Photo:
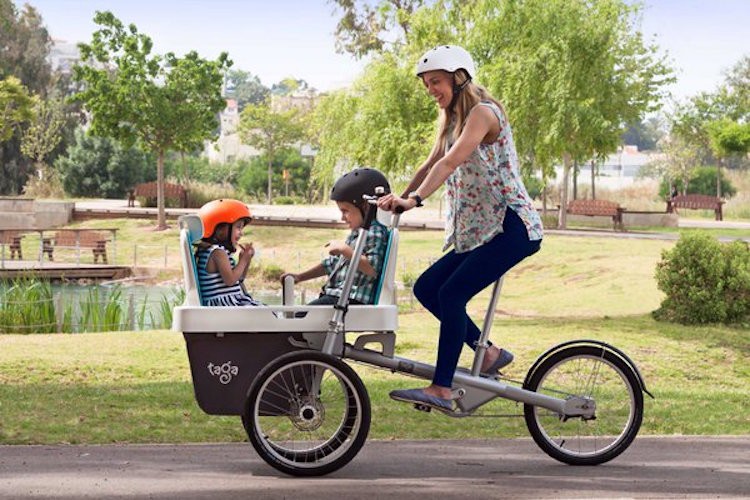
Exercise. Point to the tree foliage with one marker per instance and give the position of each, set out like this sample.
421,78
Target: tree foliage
645,134
676,165
245,88
101,167
364,28
44,132
24,47
160,102
728,137
570,73
16,106
271,131
253,179
288,86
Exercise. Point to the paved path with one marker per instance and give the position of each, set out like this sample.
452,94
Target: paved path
653,467
422,218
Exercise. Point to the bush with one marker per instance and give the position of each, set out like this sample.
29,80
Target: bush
702,181
49,186
200,193
704,281
534,186
101,167
286,200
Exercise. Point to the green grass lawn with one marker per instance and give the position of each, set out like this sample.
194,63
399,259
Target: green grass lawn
136,387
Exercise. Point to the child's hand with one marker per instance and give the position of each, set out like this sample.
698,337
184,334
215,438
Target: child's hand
247,251
336,247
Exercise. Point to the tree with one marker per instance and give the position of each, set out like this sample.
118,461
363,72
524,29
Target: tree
591,70
160,102
644,134
289,86
16,106
735,91
270,131
677,164
253,178
727,137
44,132
245,88
24,47
102,167
570,75
364,28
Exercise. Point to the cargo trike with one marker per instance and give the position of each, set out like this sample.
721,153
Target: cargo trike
284,370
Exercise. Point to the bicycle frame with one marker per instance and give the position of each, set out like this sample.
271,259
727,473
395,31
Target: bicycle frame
472,389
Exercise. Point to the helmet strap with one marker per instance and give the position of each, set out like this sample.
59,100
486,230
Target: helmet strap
226,243
457,89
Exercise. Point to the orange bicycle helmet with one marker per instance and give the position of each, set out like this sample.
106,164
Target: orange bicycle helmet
217,212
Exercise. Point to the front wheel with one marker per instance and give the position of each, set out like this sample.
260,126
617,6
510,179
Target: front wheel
593,373
307,414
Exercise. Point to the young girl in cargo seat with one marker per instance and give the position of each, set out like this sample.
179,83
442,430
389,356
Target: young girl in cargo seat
220,278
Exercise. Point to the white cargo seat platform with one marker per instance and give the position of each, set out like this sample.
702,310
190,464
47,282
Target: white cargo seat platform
192,317
199,319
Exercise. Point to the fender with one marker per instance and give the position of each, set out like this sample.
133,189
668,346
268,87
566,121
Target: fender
586,342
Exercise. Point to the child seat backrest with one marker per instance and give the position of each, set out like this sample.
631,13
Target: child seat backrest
191,231
386,292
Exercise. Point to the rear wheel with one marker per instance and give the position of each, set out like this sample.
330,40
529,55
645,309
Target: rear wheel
592,373
307,414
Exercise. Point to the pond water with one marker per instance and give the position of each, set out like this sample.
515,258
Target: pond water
91,308
151,294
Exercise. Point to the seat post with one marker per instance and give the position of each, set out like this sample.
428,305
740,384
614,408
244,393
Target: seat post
483,342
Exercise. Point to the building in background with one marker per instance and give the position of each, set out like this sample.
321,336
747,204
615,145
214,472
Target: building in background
229,147
618,170
63,55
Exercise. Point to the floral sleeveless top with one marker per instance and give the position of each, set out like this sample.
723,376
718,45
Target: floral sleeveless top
482,188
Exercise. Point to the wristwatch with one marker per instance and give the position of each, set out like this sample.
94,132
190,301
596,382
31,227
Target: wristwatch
416,198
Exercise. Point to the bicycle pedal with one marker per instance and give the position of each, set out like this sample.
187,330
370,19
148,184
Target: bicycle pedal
422,407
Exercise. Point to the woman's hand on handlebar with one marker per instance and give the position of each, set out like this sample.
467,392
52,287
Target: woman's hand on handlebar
393,203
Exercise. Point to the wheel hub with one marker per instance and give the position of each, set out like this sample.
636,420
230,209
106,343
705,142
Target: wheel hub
579,406
307,415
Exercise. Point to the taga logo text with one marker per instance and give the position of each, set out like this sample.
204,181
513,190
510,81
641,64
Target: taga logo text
225,372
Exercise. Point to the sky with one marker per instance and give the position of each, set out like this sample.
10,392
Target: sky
275,39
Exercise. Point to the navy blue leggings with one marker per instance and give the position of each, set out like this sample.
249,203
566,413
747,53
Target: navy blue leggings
447,286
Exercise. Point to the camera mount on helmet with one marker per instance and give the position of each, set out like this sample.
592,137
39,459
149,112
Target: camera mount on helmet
355,186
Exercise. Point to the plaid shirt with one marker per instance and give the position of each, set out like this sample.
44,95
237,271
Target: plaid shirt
364,286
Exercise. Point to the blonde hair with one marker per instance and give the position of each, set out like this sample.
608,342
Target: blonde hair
453,118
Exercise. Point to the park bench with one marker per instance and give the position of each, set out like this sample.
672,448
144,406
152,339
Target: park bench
149,190
77,239
594,208
695,202
12,239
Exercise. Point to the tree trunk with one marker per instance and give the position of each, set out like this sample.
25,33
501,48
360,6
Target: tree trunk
270,174
161,222
563,219
593,183
718,178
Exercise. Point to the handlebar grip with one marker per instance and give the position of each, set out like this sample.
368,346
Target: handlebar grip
398,210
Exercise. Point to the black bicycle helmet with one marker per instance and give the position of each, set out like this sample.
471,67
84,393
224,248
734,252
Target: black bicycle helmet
361,181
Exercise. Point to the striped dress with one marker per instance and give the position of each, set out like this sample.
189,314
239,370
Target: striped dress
213,290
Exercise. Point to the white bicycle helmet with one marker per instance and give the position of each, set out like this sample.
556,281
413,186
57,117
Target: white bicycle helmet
448,58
